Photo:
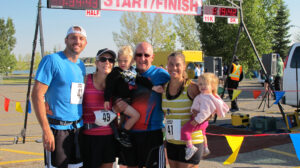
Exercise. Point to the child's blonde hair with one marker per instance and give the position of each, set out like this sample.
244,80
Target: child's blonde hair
211,79
126,51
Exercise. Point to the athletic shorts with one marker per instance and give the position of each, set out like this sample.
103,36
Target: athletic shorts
177,153
67,149
147,150
98,149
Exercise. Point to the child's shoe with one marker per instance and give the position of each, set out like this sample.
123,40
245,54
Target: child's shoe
190,151
206,151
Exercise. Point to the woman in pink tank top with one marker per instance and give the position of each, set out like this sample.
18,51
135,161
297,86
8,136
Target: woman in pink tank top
99,147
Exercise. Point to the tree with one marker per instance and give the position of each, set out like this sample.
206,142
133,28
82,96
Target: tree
218,39
281,32
7,44
141,27
186,30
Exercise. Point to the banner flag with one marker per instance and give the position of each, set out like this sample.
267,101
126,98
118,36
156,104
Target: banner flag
236,93
18,107
296,139
6,104
235,143
220,90
29,107
278,95
256,93
184,7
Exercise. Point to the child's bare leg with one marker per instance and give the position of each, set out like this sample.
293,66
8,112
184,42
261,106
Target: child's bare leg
205,141
189,143
133,117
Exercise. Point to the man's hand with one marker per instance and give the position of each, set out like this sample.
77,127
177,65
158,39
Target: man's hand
120,106
48,140
158,89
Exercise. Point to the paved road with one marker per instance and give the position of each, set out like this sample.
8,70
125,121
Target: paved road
30,154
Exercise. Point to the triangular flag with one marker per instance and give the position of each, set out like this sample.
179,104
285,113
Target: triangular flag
6,104
220,90
296,139
29,107
18,107
278,95
256,93
236,93
235,143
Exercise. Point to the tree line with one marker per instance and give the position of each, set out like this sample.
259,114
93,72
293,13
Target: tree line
267,22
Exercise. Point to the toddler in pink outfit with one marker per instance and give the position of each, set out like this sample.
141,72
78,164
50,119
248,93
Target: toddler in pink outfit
204,106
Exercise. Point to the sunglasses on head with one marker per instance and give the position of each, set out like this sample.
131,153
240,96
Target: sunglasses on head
140,55
104,59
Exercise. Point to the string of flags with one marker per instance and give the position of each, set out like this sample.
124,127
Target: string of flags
235,142
18,106
256,93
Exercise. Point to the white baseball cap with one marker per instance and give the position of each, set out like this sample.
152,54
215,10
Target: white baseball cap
73,29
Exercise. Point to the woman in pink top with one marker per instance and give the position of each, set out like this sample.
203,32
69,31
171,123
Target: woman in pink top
204,106
99,147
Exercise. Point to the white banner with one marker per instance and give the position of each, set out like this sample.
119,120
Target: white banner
186,7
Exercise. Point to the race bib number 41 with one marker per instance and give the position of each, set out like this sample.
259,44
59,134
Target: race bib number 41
104,117
77,90
173,129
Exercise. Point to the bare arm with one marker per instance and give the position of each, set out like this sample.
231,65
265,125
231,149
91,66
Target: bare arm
193,90
37,96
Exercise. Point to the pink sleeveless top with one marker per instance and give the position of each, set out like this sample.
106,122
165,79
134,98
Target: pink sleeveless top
93,100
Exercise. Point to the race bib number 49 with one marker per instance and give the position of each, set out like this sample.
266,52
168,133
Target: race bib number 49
104,117
173,129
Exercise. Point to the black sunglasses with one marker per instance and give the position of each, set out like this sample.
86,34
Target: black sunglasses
140,55
104,59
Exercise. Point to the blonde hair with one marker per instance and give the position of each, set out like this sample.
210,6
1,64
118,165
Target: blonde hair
182,57
126,50
210,79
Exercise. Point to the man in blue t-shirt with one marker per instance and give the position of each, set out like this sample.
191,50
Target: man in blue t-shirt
59,86
146,135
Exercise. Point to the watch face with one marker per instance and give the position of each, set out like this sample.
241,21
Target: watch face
74,4
220,11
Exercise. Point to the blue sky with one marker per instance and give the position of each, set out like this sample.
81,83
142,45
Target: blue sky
57,21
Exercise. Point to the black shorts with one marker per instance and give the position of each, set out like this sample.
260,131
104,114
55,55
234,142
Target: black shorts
147,150
177,153
98,149
67,149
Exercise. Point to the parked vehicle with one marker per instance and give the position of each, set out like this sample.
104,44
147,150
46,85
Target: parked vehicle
290,79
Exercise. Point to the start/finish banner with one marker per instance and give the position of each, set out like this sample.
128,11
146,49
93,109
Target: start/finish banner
186,7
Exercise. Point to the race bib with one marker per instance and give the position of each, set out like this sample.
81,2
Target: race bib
77,90
104,117
173,129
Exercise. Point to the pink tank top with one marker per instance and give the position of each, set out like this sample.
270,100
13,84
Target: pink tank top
93,100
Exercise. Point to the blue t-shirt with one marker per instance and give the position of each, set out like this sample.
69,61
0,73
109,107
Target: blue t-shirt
148,102
59,73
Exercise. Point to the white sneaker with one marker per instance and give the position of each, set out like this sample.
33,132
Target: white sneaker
189,152
206,151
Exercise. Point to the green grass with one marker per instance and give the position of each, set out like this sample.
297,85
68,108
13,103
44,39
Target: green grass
16,79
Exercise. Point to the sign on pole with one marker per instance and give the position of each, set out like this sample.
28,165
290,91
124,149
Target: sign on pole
74,4
186,7
209,18
233,20
92,13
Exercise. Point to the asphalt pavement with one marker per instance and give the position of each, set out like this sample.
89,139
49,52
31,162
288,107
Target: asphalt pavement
30,154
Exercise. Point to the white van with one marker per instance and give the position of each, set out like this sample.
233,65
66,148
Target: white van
289,76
